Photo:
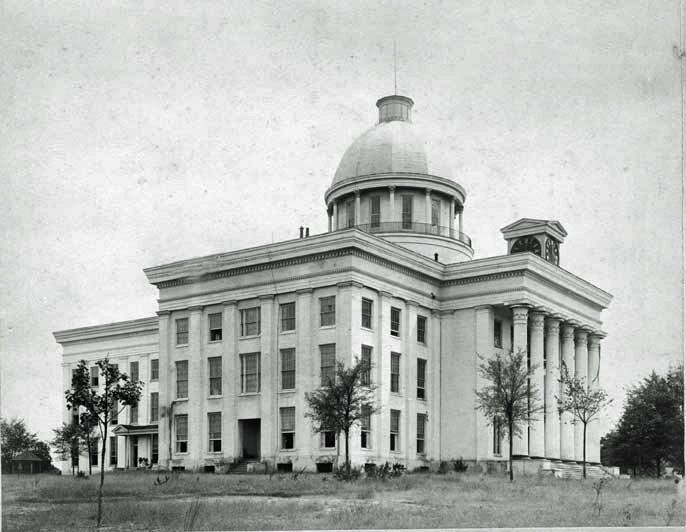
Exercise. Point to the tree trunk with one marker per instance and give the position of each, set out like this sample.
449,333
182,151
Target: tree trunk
347,451
102,474
509,443
657,467
90,450
584,446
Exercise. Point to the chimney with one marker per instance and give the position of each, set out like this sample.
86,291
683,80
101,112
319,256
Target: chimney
436,257
307,232
301,231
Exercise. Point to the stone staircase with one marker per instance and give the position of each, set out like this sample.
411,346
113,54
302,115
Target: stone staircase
575,471
247,465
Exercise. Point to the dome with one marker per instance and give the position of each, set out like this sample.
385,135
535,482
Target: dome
394,145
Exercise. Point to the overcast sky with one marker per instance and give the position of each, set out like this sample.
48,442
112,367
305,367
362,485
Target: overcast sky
136,135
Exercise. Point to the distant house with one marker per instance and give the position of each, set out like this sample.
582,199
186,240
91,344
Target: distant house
27,462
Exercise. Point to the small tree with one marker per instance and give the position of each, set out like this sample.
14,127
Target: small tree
341,402
118,390
15,439
583,403
509,397
69,443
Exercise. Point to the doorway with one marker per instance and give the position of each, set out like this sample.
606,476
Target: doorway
134,451
250,437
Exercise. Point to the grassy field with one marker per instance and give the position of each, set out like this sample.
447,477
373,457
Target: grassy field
189,501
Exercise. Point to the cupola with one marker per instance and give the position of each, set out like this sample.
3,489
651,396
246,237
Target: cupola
540,237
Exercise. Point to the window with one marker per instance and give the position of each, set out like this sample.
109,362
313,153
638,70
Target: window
114,451
350,213
133,414
366,375
375,211
133,371
287,312
365,428
421,378
155,452
395,372
250,373
407,212
421,427
328,363
182,331
214,423
182,379
250,321
497,435
215,326
114,414
497,333
395,321
327,311
288,369
181,424
435,213
421,329
367,306
94,452
154,407
328,439
395,430
287,427
154,369
215,365
95,371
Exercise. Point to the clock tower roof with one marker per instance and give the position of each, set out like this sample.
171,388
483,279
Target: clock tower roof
532,226
540,237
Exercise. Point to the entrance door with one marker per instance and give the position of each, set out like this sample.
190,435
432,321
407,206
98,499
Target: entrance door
134,451
250,437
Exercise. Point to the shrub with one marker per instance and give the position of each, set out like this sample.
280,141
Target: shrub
340,473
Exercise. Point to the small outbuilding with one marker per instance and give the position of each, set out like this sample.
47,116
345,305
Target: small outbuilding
27,462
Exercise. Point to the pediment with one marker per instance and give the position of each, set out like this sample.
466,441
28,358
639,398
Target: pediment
533,226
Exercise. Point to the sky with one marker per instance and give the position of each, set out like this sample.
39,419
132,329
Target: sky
137,134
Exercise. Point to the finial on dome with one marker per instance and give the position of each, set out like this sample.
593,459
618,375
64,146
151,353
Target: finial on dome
395,107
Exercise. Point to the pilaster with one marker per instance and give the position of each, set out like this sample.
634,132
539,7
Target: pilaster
165,398
483,335
593,434
566,425
552,388
520,444
537,380
197,436
230,383
580,372
305,355
269,443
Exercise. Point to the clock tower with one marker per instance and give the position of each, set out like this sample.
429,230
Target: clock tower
540,237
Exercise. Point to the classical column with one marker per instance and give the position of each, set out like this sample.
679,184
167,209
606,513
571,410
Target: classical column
268,378
451,217
483,434
335,216
231,376
357,207
427,206
329,210
460,210
391,204
552,388
593,434
166,366
520,444
566,426
197,387
304,375
580,372
537,380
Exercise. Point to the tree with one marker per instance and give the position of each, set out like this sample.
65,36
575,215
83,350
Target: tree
650,432
582,402
73,439
342,402
509,398
16,439
118,391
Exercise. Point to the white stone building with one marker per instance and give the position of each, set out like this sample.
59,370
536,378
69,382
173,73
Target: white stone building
240,337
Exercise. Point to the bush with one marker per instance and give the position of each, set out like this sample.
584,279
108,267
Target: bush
452,465
340,473
385,471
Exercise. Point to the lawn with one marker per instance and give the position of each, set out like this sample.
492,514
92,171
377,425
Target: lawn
190,501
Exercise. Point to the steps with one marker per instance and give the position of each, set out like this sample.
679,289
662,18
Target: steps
575,471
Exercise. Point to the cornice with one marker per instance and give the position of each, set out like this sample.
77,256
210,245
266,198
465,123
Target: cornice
140,326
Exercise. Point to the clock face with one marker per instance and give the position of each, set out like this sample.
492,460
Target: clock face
527,243
552,251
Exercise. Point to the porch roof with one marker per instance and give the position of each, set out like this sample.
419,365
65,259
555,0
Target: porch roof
135,430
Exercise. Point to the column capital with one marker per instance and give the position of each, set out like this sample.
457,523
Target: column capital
520,314
230,302
347,284
552,326
163,313
357,192
580,335
412,303
594,341
304,291
266,297
391,188
383,293
428,191
537,319
567,331
196,308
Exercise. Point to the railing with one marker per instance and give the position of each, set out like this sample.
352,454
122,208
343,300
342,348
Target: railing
414,227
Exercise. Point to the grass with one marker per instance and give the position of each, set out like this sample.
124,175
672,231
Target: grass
189,501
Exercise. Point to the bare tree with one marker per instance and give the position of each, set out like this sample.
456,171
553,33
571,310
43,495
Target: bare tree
583,403
509,397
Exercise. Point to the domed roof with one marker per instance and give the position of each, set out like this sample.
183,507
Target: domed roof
394,145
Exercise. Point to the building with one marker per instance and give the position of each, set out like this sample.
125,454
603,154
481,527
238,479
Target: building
241,336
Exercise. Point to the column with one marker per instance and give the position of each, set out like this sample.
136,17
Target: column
357,207
483,427
329,209
520,444
434,395
427,206
593,430
459,214
165,397
230,375
382,370
566,426
197,389
451,217
552,387
269,443
305,357
580,372
537,381
335,216
391,204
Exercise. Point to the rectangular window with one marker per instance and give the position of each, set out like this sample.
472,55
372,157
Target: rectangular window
421,428
288,369
250,321
327,311
435,213
182,379
95,371
182,331
328,439
497,435
498,333
365,428
367,306
328,363
114,414
250,372
181,424
94,451
154,369
395,372
214,423
375,211
366,375
421,329
287,312
407,212
155,452
114,451
421,378
395,430
287,427
215,321
154,407
215,366
350,213
395,321
133,371
133,414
